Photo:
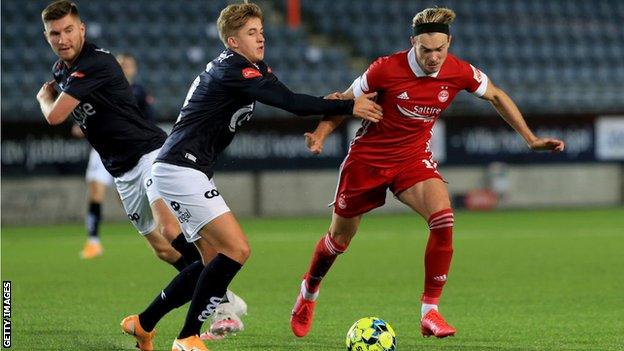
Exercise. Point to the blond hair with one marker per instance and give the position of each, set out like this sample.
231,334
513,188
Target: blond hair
434,15
233,17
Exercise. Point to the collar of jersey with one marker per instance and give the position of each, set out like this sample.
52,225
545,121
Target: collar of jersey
411,59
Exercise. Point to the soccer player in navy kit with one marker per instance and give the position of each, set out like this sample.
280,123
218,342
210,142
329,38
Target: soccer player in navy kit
219,102
97,177
96,93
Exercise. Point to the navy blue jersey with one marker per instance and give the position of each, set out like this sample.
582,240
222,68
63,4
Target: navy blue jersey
222,99
108,113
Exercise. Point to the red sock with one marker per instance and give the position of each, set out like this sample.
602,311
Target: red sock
438,255
325,254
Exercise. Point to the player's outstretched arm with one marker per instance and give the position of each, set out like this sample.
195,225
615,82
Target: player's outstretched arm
316,139
511,114
56,108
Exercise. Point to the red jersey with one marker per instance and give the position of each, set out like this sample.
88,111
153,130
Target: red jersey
412,101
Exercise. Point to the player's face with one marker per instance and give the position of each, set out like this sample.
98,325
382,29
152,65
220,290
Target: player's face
249,40
66,37
431,50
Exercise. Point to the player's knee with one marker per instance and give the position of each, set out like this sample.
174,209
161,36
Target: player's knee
167,254
341,237
170,230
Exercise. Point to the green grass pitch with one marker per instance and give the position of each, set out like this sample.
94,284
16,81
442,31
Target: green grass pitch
520,280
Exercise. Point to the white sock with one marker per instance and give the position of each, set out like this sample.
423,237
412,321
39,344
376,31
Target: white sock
306,294
94,240
425,307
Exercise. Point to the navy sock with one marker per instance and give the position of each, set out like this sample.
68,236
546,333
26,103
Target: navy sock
177,293
211,286
92,222
188,250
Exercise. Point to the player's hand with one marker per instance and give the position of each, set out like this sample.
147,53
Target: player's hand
76,132
47,91
334,96
548,144
365,108
314,143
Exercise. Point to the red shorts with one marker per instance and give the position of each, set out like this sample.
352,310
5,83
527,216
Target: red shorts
362,187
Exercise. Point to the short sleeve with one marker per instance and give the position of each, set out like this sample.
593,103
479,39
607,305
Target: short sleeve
88,76
476,82
371,80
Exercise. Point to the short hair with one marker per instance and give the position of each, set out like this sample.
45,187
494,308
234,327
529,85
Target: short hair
58,10
434,15
234,17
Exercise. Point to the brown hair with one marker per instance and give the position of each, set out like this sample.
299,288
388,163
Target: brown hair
58,10
234,16
434,15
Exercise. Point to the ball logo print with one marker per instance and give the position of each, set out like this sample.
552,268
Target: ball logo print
211,193
371,334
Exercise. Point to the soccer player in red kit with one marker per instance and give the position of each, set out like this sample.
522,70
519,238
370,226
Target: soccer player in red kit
414,87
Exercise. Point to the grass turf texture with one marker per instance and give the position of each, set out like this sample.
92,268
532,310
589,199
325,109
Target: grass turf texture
526,280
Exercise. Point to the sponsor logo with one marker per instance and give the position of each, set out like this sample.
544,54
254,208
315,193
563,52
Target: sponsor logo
249,73
149,182
241,116
175,205
424,113
134,217
184,216
78,74
210,308
403,96
81,112
211,193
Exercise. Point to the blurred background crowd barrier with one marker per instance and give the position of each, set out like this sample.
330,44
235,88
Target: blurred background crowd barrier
562,61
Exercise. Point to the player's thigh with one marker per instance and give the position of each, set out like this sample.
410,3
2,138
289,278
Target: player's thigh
426,197
170,228
226,236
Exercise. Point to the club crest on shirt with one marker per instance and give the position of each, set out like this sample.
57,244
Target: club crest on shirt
443,95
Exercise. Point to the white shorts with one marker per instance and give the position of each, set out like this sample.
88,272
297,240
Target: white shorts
137,192
96,171
191,195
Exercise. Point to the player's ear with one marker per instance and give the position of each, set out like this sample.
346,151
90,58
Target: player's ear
413,40
450,37
232,42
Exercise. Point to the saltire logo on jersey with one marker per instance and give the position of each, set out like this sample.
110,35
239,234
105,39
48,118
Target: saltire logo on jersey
249,73
424,113
77,74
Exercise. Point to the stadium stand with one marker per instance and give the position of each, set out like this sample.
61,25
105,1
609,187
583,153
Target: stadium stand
545,53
